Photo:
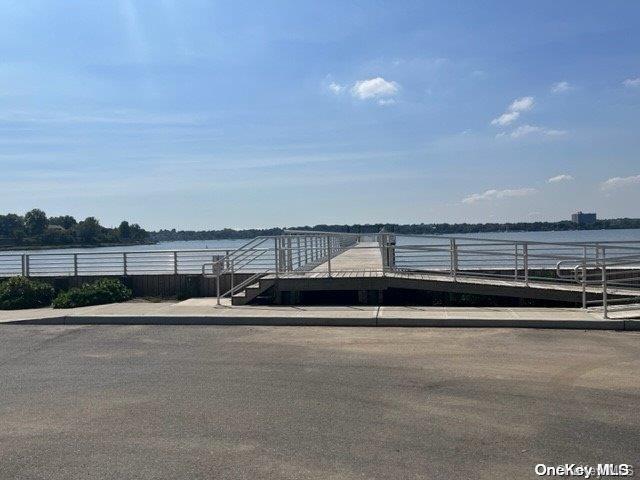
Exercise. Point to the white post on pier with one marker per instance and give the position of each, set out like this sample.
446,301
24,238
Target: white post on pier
605,306
276,255
525,261
329,254
584,277
454,258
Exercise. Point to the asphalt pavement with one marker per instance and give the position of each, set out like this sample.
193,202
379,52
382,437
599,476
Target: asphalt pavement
243,402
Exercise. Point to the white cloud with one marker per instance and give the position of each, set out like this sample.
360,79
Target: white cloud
518,106
560,178
521,104
505,118
619,182
374,88
336,88
525,130
632,82
561,87
386,101
493,193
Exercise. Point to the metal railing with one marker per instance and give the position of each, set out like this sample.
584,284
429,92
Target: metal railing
607,273
146,262
293,252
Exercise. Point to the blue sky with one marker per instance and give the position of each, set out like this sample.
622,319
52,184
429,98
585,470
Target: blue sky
203,114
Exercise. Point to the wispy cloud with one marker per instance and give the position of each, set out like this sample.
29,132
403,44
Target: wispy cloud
632,82
374,88
514,110
521,104
526,130
620,182
336,88
560,178
494,193
561,87
506,118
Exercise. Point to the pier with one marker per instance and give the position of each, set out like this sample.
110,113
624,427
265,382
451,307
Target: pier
302,266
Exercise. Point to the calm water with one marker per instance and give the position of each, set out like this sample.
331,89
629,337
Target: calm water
559,236
570,236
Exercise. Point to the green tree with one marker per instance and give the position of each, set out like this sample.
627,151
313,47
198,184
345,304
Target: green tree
9,224
124,230
65,221
35,222
88,230
138,233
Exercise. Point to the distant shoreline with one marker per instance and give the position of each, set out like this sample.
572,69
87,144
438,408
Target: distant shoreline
406,229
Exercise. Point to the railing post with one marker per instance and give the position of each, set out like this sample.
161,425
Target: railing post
218,287
525,261
289,255
454,257
232,275
27,266
605,306
276,256
299,263
24,265
175,262
515,271
75,264
584,277
306,252
124,263
329,254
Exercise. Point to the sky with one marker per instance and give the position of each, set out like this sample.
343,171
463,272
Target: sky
195,114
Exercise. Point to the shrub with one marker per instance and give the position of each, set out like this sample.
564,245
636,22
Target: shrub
22,292
105,290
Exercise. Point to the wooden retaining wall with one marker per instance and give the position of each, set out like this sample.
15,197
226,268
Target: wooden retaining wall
161,286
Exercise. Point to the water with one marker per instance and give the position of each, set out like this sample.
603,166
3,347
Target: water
178,245
554,236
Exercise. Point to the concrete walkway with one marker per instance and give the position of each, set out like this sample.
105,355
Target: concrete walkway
204,311
363,257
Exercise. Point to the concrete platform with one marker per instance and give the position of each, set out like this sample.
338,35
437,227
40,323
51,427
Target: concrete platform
204,311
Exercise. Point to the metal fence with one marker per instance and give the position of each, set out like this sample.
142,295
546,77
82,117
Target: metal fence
611,268
147,262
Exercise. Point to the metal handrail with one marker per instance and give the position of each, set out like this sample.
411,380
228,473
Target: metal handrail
604,265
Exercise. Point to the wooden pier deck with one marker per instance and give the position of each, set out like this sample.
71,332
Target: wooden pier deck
362,259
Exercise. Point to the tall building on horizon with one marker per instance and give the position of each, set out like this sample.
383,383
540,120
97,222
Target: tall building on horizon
583,218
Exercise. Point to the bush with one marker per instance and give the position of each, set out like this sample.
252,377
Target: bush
22,292
105,290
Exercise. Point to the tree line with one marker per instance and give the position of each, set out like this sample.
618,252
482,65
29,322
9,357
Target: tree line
415,229
36,229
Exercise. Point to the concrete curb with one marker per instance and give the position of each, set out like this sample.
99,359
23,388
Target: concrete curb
631,325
